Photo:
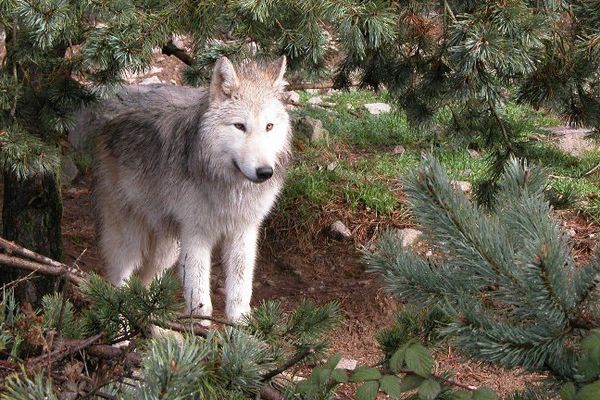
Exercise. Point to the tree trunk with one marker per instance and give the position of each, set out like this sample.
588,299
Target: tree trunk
32,213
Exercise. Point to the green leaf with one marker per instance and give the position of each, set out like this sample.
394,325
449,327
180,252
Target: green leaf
339,375
365,374
462,395
410,382
568,391
391,385
589,392
323,376
419,360
484,394
368,391
333,361
305,386
397,360
429,389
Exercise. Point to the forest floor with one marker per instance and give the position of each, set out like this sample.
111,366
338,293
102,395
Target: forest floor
299,260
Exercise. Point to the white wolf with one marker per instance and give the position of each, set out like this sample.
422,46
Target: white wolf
172,182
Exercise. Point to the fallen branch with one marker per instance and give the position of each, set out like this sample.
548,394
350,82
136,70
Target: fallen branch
170,49
195,328
21,263
301,355
70,347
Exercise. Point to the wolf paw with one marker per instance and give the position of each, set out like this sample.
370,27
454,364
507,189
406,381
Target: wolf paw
237,314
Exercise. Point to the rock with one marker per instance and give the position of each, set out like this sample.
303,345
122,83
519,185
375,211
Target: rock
474,154
378,108
464,186
178,41
331,166
151,81
347,363
310,129
292,97
314,101
68,171
221,291
340,231
90,119
399,150
572,232
409,236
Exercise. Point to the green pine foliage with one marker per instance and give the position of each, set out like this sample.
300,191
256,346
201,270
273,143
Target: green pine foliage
229,363
468,58
506,274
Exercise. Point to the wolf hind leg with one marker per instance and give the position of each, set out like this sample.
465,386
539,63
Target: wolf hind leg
161,254
122,239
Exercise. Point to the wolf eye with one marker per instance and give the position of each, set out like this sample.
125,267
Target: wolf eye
241,127
269,127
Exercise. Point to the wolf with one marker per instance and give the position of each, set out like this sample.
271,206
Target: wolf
173,182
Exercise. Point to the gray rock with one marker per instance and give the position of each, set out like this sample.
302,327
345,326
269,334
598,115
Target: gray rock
464,186
409,236
378,108
310,129
314,101
340,231
68,171
332,165
151,80
347,363
474,154
292,97
89,120
399,150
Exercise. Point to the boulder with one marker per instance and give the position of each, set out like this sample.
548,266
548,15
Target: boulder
409,236
378,108
339,230
151,80
464,186
310,129
314,101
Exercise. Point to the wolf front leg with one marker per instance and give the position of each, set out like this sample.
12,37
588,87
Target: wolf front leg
194,270
239,258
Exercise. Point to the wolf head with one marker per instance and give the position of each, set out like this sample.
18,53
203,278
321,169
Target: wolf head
247,120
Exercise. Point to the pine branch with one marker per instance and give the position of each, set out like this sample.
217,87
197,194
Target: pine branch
21,263
69,347
301,355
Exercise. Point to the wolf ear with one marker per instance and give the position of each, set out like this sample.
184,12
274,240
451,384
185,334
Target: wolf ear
277,69
224,80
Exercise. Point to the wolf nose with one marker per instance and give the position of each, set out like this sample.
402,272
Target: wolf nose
264,173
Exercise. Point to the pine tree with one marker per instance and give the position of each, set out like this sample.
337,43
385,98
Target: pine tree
468,58
63,54
505,275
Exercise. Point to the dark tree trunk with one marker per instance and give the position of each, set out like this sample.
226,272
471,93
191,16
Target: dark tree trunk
32,213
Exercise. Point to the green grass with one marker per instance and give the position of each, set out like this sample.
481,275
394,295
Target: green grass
366,177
